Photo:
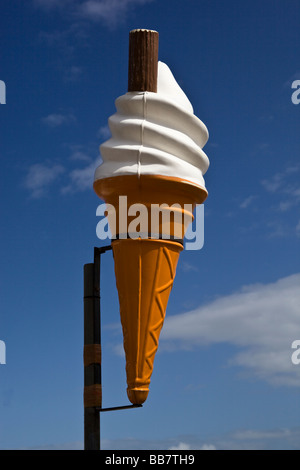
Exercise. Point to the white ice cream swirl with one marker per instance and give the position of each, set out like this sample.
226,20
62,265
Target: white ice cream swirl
155,134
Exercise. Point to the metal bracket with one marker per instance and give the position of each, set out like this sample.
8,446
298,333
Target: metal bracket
98,251
115,408
102,249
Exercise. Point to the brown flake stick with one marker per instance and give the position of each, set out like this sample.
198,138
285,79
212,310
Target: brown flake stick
143,60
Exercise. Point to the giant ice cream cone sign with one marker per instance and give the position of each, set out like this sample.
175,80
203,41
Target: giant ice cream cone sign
154,160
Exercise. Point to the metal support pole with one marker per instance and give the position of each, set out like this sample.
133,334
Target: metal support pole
92,352
92,366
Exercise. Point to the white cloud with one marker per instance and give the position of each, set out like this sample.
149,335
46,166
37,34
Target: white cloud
109,11
278,229
245,439
274,183
67,40
262,320
298,229
56,120
180,446
73,73
261,439
173,443
76,445
246,202
188,267
284,191
282,181
289,81
285,206
266,118
82,178
80,155
40,176
185,446
104,132
251,434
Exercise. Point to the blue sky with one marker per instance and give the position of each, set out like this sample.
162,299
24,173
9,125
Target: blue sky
223,376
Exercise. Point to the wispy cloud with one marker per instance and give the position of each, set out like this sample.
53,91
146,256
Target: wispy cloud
172,443
109,12
80,156
243,439
208,447
68,41
261,149
266,118
284,190
261,439
274,215
76,445
277,229
262,320
289,81
281,180
81,179
73,73
185,446
285,205
251,434
188,267
57,120
103,132
273,183
40,177
298,229
246,202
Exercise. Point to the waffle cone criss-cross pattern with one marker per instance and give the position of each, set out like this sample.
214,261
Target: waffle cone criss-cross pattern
154,156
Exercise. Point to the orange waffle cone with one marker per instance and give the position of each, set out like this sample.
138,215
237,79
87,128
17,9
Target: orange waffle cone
145,271
150,191
145,267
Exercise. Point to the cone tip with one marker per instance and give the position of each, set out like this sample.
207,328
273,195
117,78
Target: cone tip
137,396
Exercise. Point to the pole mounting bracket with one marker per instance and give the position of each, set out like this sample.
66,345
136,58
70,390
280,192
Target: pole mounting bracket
115,408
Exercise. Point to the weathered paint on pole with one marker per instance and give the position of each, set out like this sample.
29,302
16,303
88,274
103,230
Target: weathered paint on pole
92,355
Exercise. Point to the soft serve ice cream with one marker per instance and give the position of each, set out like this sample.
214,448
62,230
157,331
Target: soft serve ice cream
155,134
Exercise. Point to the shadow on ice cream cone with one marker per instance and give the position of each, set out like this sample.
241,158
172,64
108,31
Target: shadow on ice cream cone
145,266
